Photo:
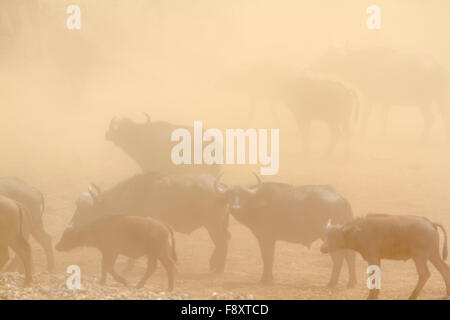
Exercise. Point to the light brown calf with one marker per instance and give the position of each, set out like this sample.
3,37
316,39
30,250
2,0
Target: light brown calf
11,219
131,236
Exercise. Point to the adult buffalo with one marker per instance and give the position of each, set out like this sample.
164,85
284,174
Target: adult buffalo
186,202
308,98
33,202
298,214
387,77
150,145
312,99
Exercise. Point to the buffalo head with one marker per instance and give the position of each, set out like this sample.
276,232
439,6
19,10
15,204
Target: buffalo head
120,129
336,236
89,206
71,238
240,198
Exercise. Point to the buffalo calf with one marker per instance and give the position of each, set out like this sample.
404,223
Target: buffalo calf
11,220
131,236
382,236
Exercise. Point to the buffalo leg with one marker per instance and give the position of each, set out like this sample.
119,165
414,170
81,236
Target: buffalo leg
169,265
335,135
23,250
338,259
16,263
303,130
366,114
347,137
267,247
350,257
220,236
443,269
151,267
4,256
45,241
424,275
108,262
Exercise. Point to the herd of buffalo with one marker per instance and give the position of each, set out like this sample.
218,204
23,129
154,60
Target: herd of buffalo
138,216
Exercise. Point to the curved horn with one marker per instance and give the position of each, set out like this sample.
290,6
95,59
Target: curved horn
258,178
254,189
147,117
217,184
92,193
97,189
113,123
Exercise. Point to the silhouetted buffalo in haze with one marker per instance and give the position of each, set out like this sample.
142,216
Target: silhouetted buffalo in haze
387,77
322,100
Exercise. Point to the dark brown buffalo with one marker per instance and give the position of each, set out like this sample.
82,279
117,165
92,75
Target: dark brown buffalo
33,202
130,236
382,236
11,219
283,212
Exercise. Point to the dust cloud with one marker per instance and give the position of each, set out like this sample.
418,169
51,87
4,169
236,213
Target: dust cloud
184,60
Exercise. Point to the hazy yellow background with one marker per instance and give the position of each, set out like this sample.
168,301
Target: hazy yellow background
59,88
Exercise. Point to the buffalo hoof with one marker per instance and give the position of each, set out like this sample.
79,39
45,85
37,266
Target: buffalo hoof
139,285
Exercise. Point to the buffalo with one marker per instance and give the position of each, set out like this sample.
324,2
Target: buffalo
309,98
387,77
131,236
383,236
186,202
283,212
11,235
33,202
150,145
312,99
